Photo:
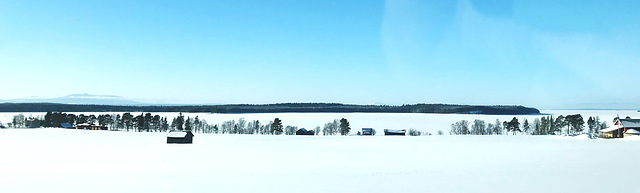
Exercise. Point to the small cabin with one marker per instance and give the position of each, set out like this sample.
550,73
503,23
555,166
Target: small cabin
303,131
91,127
400,132
182,137
367,131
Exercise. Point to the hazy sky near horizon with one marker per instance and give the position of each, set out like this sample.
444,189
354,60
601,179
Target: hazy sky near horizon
541,53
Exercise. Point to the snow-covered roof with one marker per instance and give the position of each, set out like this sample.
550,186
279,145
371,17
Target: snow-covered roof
84,124
632,131
610,129
177,134
630,123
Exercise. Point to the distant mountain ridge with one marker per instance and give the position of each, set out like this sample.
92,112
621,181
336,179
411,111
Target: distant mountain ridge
83,99
276,108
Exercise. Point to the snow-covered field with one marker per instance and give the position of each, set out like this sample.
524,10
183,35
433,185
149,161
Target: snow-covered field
60,160
423,122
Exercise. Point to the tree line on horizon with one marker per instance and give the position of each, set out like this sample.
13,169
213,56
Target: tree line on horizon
147,122
275,108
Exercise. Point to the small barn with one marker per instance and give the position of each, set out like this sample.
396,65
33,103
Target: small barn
367,131
67,125
182,137
399,132
304,131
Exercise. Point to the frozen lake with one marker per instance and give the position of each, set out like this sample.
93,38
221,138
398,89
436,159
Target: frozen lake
423,122
61,160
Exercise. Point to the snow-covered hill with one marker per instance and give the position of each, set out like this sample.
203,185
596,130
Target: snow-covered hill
59,160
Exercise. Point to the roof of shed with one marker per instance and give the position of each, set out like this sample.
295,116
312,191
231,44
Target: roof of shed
177,134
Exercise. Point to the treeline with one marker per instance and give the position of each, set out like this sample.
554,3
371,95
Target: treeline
274,108
547,125
147,122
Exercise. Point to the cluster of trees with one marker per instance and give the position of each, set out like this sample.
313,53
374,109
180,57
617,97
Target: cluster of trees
413,132
147,122
334,127
547,125
479,127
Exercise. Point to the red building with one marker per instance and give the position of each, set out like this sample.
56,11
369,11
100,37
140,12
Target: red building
622,128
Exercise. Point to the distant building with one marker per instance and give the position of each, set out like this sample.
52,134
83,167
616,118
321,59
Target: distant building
622,128
67,125
182,137
303,131
401,132
91,127
367,131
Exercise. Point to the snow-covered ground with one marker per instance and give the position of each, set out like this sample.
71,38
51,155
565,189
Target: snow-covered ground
423,122
61,160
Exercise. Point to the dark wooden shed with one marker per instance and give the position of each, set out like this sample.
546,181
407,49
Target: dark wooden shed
367,131
400,132
303,131
183,137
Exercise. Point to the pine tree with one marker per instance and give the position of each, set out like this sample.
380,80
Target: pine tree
179,122
276,126
187,124
526,127
344,127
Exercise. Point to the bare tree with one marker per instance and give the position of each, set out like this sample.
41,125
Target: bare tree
478,127
290,130
330,128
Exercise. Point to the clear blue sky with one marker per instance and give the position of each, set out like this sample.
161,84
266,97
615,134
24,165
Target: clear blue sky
541,53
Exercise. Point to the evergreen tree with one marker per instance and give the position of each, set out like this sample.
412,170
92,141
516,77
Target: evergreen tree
591,123
71,119
139,122
559,124
48,119
156,123
187,124
276,126
344,127
526,127
179,122
119,124
575,123
147,122
513,125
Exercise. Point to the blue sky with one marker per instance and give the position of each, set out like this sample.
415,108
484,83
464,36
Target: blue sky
541,53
